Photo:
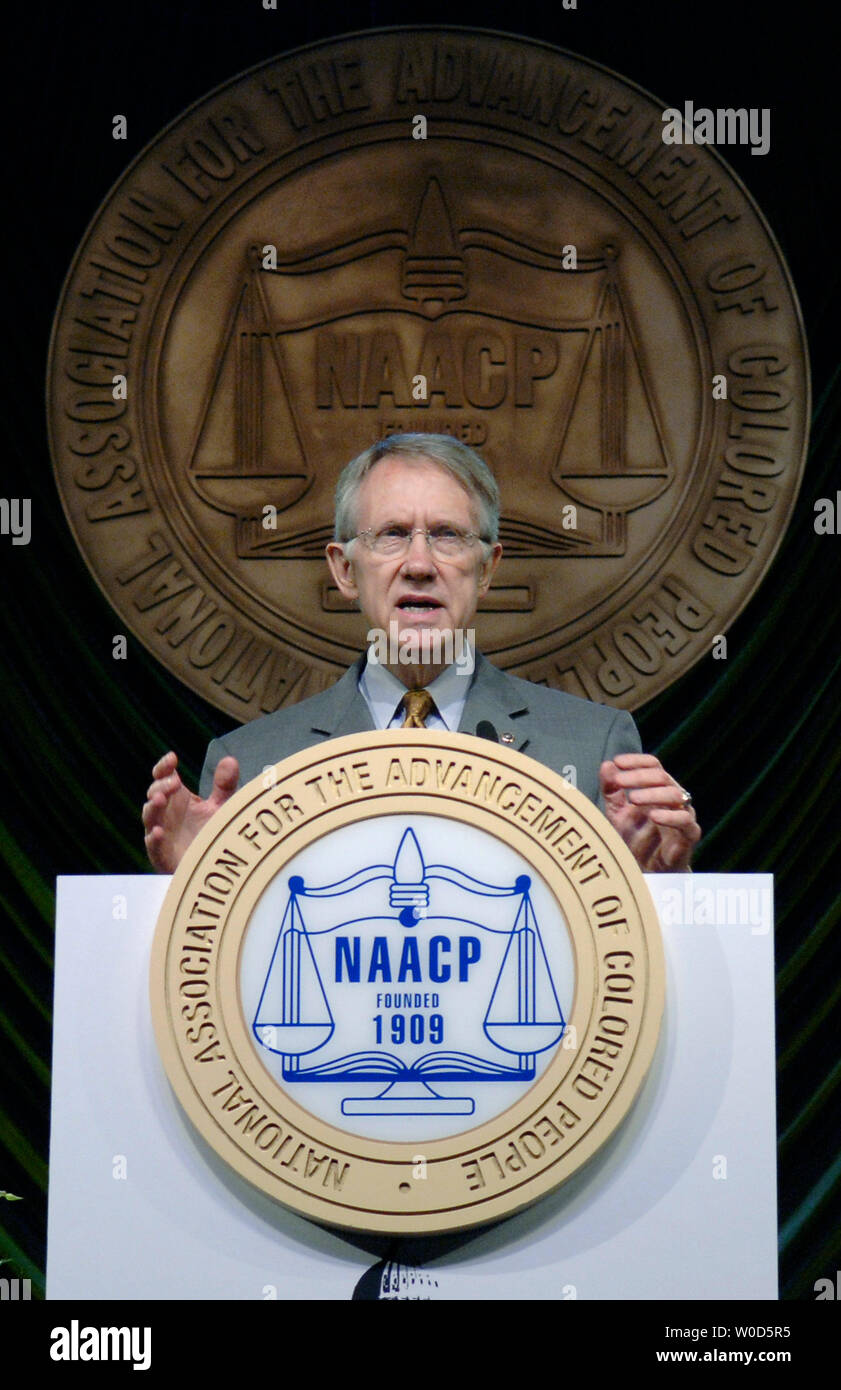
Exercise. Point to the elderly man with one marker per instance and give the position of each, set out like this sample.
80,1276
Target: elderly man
416,547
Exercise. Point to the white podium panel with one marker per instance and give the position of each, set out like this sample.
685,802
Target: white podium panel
680,1204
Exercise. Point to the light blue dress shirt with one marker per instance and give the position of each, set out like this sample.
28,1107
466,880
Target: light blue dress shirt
383,692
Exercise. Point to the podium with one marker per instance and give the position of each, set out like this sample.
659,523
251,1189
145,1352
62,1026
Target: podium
679,1204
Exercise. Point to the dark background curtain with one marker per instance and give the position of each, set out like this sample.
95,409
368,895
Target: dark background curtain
756,737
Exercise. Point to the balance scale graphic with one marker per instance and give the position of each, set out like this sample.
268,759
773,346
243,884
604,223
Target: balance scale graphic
407,933
606,440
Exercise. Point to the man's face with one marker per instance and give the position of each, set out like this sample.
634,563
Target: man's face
417,590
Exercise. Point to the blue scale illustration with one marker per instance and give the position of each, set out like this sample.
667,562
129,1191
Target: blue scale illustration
435,975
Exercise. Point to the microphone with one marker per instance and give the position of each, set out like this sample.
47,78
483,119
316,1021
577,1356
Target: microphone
485,729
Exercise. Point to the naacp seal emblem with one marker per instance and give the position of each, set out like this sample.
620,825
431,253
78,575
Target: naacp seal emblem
445,231
407,983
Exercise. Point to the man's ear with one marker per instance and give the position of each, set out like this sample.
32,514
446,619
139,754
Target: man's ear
488,569
341,569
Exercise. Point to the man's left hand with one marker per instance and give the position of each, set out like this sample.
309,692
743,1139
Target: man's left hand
650,812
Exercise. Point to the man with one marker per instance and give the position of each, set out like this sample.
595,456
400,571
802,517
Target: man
416,547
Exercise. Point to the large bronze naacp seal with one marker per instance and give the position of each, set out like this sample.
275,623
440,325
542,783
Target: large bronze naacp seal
440,230
407,982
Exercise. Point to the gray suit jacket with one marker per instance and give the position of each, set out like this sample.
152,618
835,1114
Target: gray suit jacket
554,728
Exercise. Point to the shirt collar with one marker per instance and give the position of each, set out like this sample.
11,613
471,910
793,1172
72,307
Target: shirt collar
383,691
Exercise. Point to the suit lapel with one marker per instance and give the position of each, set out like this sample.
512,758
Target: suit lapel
496,698
493,697
342,708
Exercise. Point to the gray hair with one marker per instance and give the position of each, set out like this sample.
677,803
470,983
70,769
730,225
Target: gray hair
459,459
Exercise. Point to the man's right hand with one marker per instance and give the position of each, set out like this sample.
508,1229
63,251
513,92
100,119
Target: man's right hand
173,816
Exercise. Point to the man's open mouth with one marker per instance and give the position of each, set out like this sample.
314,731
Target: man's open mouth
418,605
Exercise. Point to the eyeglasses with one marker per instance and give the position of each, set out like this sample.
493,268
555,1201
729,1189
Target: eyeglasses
447,542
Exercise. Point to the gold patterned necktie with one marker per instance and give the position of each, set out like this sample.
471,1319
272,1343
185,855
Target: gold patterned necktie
417,704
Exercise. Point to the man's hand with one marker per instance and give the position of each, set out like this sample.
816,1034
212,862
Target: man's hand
173,816
648,808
